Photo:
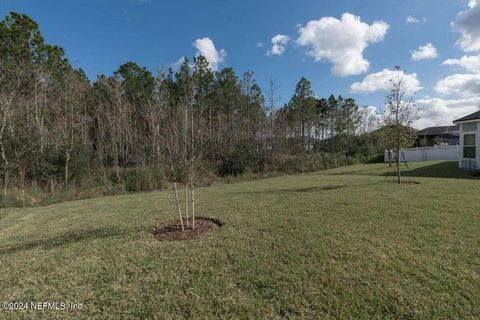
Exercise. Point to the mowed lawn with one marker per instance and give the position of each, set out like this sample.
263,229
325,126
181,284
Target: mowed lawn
335,244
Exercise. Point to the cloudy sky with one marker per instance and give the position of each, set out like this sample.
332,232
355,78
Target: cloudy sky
342,47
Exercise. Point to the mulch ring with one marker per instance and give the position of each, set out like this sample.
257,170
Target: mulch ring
173,231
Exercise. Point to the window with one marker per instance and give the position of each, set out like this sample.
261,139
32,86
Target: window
469,146
469,126
469,140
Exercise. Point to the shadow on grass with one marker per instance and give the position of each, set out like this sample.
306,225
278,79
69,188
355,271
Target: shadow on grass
296,190
63,239
363,172
447,169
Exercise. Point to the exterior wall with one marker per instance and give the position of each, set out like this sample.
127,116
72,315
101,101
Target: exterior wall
464,163
429,153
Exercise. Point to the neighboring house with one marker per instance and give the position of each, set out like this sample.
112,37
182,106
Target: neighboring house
433,143
438,136
460,143
469,141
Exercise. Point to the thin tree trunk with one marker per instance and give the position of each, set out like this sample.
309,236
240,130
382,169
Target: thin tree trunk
398,167
186,202
210,122
178,205
117,169
186,162
192,169
192,189
67,160
23,186
399,179
5,186
303,134
5,163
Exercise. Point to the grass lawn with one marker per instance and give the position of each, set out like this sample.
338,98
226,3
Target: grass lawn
335,244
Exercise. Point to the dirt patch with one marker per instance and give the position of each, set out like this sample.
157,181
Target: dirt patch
172,231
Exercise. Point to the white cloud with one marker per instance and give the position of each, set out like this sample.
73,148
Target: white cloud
279,43
206,48
341,42
415,20
437,111
463,85
412,19
468,24
469,63
381,81
427,51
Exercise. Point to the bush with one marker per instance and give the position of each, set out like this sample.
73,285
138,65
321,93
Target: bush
232,166
143,179
306,163
81,162
379,158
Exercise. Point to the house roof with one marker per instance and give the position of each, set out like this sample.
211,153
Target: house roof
436,131
470,117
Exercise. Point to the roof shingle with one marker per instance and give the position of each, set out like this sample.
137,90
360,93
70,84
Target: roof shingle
472,116
436,131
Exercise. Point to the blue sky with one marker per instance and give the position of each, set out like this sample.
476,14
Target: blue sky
100,35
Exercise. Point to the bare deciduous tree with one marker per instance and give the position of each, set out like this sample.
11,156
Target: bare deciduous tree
400,114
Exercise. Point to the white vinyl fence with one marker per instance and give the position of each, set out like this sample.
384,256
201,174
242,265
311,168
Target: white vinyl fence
428,153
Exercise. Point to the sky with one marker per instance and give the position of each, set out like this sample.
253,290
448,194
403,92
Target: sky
344,47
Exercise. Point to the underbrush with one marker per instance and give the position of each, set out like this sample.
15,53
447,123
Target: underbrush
307,163
142,179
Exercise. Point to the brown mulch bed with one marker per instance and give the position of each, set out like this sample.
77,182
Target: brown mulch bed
173,231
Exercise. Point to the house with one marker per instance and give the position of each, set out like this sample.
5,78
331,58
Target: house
469,129
453,143
437,136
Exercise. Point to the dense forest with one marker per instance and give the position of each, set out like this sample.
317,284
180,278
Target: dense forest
140,130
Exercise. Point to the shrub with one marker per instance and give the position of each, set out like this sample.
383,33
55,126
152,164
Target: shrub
379,158
305,163
231,166
143,179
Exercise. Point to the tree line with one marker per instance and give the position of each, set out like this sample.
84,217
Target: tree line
58,128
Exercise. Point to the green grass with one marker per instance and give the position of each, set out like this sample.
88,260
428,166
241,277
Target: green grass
336,244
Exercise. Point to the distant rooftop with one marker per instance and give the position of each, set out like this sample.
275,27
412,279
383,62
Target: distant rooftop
435,131
472,116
